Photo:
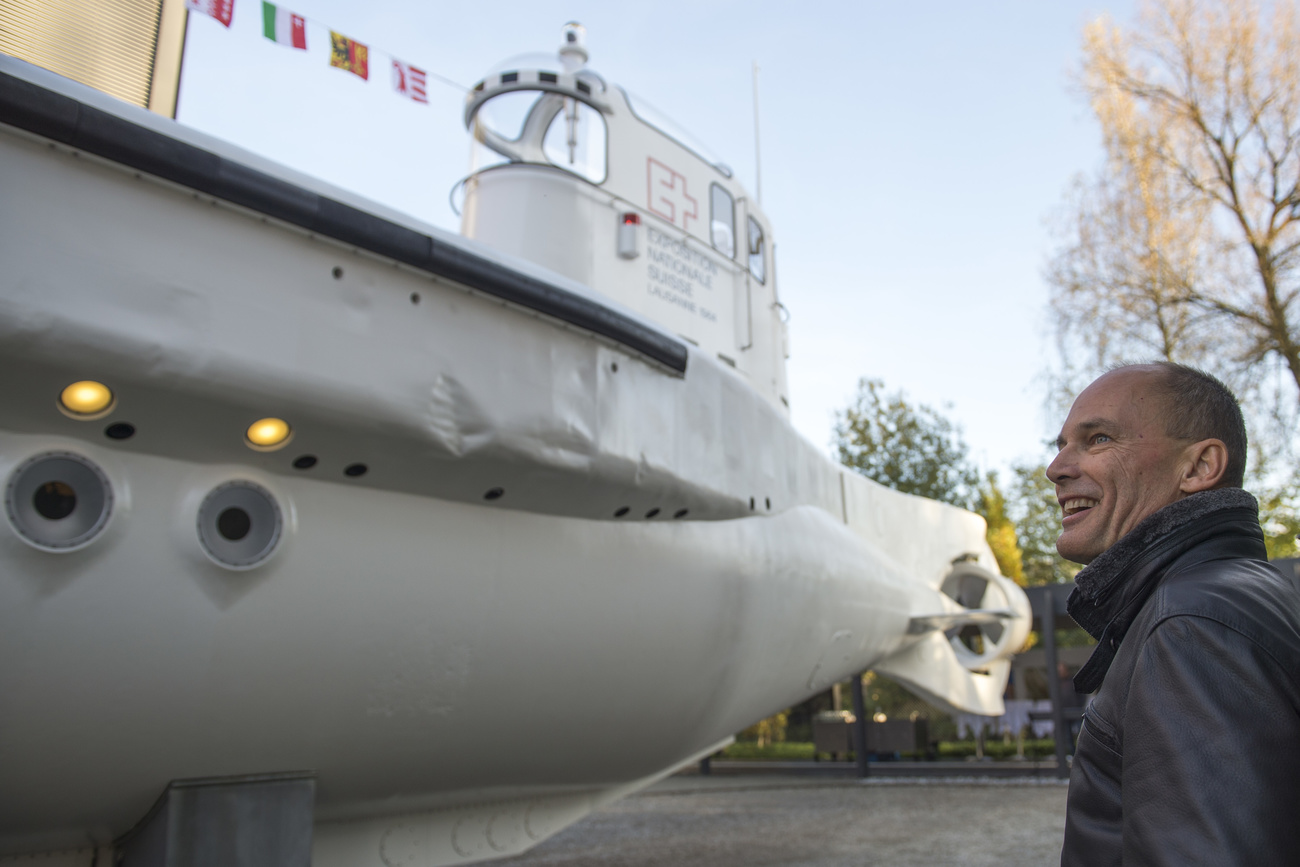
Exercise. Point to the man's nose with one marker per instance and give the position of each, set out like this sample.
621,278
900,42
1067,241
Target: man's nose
1061,468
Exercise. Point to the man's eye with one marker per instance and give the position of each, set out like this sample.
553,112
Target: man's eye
1101,438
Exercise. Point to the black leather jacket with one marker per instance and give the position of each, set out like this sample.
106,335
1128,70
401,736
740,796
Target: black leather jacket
1190,751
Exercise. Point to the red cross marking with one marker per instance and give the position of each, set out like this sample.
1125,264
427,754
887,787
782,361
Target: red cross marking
666,191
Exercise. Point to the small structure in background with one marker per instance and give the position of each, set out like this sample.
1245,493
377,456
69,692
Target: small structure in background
885,739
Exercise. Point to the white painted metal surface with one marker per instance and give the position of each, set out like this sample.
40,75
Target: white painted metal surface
464,675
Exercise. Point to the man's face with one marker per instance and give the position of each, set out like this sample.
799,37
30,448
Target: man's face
1115,464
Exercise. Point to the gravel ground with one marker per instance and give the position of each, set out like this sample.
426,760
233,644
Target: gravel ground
685,821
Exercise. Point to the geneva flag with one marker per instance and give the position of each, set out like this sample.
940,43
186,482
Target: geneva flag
349,54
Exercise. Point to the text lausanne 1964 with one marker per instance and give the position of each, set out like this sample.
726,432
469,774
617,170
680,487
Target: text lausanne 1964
677,274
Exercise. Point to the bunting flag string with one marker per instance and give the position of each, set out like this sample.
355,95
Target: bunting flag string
290,29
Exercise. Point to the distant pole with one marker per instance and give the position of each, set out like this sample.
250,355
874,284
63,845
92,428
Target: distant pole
758,161
860,725
1060,727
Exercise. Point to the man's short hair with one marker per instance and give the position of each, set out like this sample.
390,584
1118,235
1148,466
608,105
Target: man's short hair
1200,407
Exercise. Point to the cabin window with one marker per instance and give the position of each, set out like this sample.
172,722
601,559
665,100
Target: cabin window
575,140
757,265
505,114
722,221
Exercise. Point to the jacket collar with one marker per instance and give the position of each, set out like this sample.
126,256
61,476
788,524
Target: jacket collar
1111,590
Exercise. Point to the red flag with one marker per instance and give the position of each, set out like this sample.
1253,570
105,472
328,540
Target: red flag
349,54
409,82
222,10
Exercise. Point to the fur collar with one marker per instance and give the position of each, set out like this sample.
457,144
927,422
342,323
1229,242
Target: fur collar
1111,590
1103,573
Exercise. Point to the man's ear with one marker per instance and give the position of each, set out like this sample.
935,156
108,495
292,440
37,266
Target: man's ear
1207,463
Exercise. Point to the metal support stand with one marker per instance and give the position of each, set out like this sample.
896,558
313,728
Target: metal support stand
1060,728
705,767
253,821
860,726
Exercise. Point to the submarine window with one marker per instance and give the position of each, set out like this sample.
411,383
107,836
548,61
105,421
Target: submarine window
757,266
415,297
304,462
337,272
751,504
509,77
681,513
652,512
621,511
576,139
548,77
722,221
355,470
54,500
120,430
768,501
234,523
583,87
494,494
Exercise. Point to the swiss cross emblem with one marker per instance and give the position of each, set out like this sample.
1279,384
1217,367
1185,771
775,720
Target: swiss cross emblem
667,194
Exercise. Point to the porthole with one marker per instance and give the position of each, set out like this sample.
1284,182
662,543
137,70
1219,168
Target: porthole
239,525
58,501
652,512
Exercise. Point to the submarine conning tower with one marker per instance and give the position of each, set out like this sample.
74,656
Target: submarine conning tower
581,177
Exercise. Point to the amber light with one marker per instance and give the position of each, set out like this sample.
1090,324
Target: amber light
268,434
86,399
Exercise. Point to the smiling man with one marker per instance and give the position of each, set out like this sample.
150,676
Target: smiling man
1190,750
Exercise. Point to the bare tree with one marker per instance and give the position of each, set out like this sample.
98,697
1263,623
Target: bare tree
1184,245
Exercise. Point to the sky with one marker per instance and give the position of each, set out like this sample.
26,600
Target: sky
914,158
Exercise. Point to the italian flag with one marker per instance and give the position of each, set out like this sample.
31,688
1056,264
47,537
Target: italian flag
282,26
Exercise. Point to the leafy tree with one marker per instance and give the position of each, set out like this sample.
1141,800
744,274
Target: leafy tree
1002,538
767,731
910,448
1184,244
1187,240
1037,516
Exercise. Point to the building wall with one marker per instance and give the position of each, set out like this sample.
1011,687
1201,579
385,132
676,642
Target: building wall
130,49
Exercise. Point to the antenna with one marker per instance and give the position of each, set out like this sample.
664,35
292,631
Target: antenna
758,161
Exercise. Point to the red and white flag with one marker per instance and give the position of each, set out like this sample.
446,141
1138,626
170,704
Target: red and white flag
409,82
282,26
222,10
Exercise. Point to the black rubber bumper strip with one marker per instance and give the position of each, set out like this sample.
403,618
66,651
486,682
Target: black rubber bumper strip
63,119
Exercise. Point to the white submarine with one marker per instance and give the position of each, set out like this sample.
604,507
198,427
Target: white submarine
422,546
